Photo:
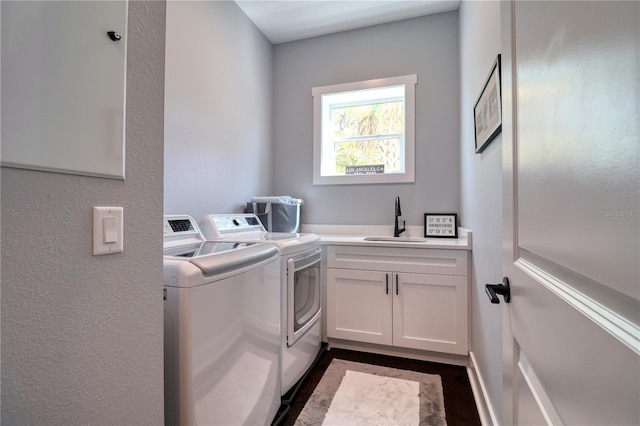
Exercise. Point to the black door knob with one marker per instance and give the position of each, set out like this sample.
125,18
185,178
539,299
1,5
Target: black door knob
503,289
114,36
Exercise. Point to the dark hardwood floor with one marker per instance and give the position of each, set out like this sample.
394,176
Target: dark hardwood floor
459,404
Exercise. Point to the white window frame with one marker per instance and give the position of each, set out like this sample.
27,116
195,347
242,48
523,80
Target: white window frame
409,82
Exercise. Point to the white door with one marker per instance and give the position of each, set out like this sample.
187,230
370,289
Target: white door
571,211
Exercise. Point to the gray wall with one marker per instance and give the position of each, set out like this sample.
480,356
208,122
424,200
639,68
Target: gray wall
426,46
82,335
481,191
218,109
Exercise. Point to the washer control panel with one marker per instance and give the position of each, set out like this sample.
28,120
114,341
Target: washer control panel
179,224
180,229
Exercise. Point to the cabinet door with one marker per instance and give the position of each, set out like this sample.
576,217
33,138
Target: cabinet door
430,312
359,306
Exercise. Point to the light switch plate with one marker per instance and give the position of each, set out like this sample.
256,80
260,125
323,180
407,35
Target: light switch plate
107,230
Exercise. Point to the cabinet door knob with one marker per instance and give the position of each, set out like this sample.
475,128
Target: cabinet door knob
387,282
503,289
396,284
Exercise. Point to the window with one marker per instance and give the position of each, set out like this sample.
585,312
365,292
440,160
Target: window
364,132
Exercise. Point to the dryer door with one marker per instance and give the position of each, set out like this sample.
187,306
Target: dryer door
303,294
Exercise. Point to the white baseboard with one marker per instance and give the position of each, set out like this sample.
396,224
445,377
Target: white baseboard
485,408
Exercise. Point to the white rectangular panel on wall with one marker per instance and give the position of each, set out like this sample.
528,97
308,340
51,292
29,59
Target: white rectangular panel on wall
63,86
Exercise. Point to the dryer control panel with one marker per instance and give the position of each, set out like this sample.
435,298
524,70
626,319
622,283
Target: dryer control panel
221,225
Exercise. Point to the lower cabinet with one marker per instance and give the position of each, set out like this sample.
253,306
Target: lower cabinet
359,306
393,307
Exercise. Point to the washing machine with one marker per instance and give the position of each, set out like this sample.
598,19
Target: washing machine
300,259
222,326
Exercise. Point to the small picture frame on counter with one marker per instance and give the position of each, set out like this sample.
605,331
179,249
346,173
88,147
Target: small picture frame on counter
441,225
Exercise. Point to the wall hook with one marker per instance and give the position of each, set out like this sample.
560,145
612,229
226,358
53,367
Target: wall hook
113,35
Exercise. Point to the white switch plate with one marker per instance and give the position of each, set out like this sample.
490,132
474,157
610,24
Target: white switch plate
107,230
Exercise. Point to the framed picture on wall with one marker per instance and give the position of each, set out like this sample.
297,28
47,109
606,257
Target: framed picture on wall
487,112
441,225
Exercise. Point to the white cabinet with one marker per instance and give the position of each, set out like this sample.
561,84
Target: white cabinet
358,307
430,312
403,297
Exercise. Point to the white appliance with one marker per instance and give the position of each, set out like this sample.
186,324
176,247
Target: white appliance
222,329
300,256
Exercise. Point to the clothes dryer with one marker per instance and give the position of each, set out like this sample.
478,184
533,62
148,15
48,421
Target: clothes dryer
300,259
221,327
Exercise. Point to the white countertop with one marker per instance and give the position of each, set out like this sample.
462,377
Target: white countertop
356,234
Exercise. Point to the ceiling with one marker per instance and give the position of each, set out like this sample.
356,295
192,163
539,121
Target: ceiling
286,20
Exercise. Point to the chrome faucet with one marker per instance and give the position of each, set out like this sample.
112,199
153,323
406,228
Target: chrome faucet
397,231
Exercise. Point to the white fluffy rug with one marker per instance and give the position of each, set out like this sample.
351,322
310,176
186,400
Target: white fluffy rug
352,394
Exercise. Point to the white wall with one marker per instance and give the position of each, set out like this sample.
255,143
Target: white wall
82,335
218,109
481,191
426,46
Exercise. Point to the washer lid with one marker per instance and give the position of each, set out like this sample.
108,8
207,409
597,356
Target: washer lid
216,258
203,249
242,257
